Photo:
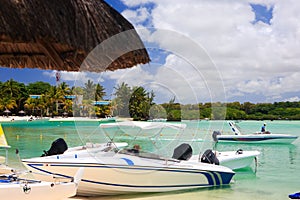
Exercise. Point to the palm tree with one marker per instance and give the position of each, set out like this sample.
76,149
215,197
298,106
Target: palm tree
68,105
123,93
10,88
87,107
7,103
14,90
77,102
64,88
42,105
99,93
115,103
31,104
89,90
53,97
140,103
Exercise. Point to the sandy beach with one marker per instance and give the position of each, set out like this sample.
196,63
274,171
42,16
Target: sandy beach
15,118
27,118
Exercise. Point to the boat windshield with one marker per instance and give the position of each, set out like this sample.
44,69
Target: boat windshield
144,154
146,134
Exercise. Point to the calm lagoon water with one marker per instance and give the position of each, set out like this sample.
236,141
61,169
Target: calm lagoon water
276,176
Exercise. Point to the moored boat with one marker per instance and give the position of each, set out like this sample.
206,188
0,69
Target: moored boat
259,137
232,159
110,171
14,187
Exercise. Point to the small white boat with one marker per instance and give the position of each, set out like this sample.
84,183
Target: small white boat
237,159
109,171
232,159
14,187
267,137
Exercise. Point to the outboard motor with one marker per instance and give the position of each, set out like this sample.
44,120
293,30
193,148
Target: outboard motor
183,152
209,157
59,146
215,134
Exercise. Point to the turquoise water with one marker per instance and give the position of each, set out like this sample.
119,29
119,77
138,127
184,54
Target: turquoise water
277,175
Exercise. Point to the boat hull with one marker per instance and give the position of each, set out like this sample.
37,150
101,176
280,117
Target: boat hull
258,138
108,179
38,191
233,159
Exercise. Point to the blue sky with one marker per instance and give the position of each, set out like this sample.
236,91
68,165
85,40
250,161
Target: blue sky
249,51
262,13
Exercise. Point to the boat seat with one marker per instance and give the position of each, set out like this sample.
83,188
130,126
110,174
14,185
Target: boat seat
183,152
209,157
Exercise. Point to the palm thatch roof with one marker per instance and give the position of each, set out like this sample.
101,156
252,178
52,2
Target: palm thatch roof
59,34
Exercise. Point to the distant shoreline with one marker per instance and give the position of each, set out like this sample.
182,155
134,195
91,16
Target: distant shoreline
66,119
60,119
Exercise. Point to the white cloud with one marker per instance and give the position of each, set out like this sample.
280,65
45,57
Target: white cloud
137,16
49,73
258,59
134,3
175,78
293,99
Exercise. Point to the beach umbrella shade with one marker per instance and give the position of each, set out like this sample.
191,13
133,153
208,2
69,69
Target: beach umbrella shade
59,34
22,112
7,111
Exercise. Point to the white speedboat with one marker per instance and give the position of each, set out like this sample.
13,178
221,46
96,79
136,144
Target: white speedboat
110,171
232,159
259,137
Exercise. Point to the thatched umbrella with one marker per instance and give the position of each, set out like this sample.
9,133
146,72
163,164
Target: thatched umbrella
59,34
22,112
6,112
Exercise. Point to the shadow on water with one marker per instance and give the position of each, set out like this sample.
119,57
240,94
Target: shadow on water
245,173
162,195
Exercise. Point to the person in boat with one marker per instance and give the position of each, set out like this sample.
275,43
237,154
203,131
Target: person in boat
263,128
135,150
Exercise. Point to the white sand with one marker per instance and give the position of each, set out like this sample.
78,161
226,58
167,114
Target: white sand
12,118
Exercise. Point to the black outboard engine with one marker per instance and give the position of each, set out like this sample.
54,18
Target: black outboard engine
183,152
209,157
215,134
59,146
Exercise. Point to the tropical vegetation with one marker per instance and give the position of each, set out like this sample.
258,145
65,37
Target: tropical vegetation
135,102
